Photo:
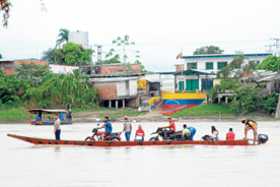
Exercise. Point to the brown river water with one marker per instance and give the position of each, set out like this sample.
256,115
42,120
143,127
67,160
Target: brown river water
23,164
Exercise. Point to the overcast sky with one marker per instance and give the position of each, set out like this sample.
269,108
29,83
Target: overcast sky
161,29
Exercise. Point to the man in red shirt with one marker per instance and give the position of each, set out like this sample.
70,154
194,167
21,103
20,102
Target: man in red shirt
230,135
139,133
171,127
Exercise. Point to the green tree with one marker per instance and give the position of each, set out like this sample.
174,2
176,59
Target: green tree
69,54
246,100
11,89
269,103
119,52
0,56
60,90
112,60
236,63
211,49
5,10
31,73
63,37
271,63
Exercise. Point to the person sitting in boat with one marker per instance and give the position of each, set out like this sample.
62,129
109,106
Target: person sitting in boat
38,117
139,134
186,133
171,128
214,133
192,131
107,126
230,136
250,125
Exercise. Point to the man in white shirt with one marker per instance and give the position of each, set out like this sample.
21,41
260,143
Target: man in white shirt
57,129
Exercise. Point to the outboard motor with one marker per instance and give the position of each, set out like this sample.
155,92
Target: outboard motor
262,138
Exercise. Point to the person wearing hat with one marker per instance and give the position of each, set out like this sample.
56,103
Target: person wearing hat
250,125
127,128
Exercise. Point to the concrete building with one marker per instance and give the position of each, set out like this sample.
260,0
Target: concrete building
9,66
79,37
216,62
62,69
194,81
116,91
160,82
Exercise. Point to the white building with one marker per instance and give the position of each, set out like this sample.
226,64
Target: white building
79,37
166,80
62,69
216,62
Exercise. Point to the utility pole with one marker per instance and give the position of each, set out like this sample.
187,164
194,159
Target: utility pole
99,54
277,113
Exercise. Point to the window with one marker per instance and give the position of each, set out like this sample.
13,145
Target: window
209,65
192,65
221,65
181,86
207,84
192,85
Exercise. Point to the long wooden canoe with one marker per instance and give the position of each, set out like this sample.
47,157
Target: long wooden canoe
43,141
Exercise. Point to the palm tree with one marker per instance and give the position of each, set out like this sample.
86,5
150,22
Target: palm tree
63,37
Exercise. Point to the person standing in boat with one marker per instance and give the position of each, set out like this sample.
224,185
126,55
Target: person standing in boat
214,133
57,130
127,128
250,125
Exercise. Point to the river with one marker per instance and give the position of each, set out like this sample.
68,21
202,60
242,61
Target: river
23,164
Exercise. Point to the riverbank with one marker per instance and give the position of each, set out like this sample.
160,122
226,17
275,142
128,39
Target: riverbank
200,113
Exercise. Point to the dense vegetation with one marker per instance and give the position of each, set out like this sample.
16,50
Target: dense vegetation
211,49
271,63
35,86
69,54
247,97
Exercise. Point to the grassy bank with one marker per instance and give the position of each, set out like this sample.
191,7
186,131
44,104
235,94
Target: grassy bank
209,110
102,112
12,115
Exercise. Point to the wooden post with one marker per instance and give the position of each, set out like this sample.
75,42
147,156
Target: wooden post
123,103
117,104
110,104
226,99
277,113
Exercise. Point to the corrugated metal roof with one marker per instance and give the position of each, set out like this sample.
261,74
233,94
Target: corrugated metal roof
6,59
226,55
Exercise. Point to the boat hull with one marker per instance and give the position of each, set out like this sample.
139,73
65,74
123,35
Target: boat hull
42,141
